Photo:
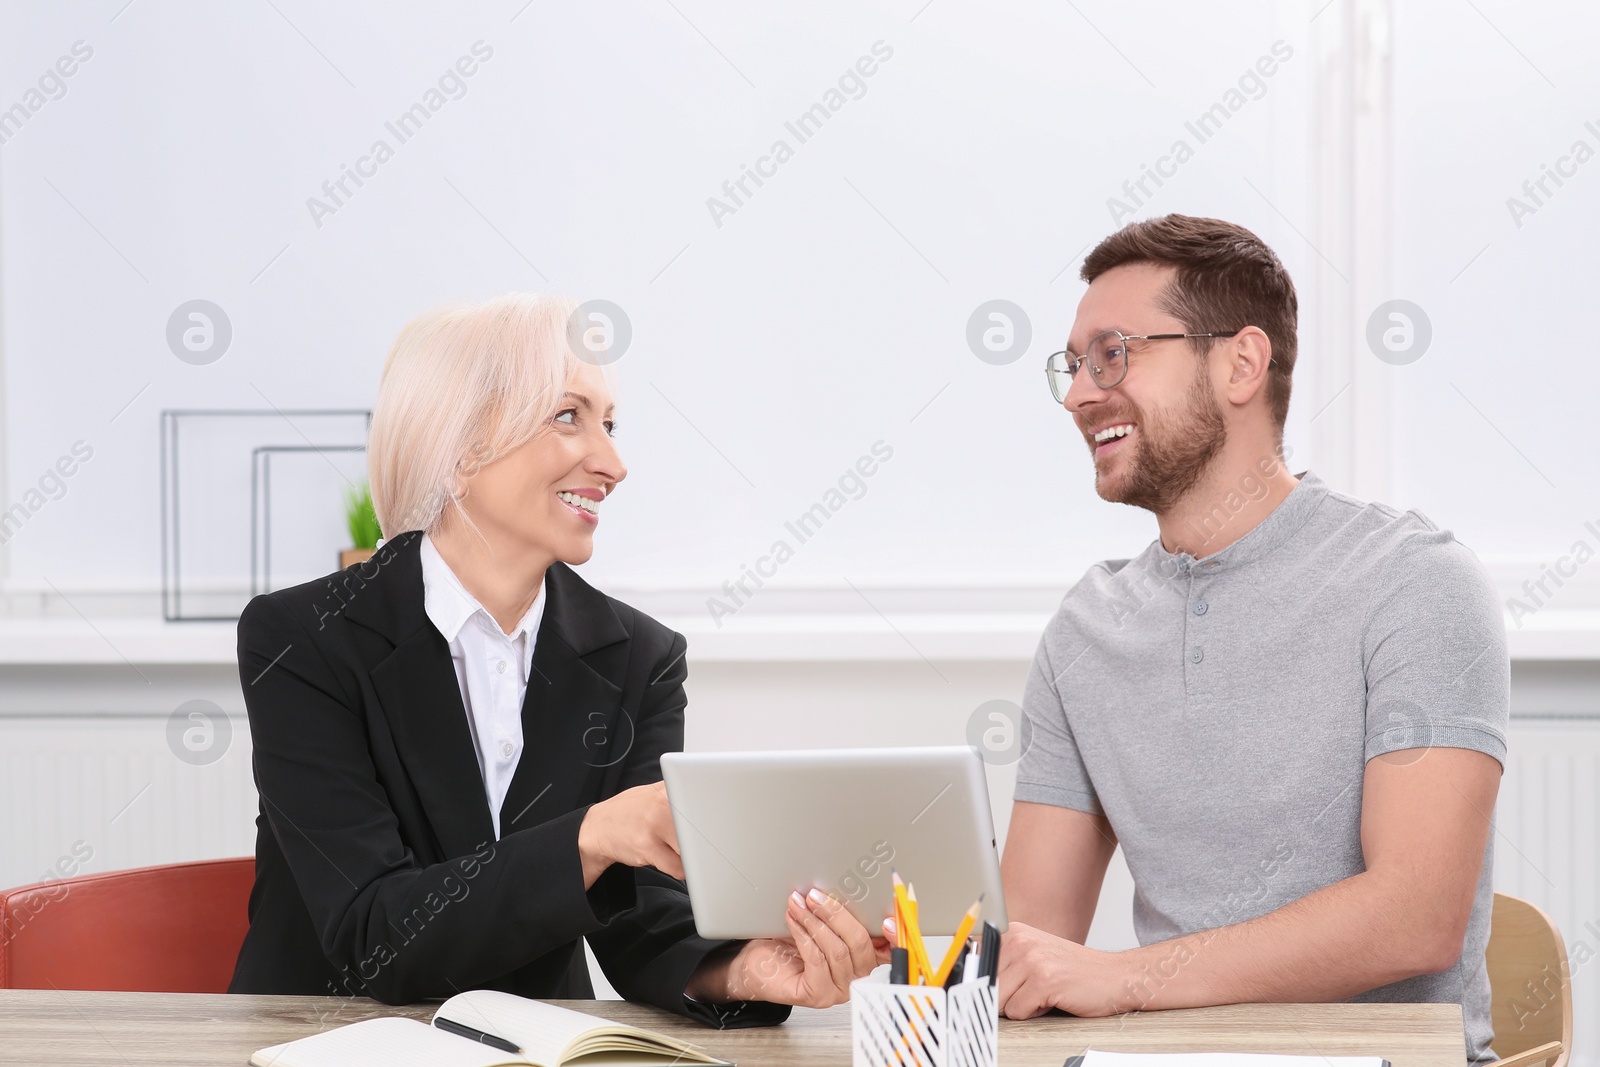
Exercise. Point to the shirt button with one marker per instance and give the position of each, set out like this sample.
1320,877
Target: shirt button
1197,655
506,749
1200,607
501,666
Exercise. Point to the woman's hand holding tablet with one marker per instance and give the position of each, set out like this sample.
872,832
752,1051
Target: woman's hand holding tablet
828,948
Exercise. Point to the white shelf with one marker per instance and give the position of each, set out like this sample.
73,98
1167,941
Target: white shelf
82,642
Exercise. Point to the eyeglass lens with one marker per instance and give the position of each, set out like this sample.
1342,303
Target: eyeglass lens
1107,359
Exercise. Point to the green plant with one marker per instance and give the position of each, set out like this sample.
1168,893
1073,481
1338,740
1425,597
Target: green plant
361,518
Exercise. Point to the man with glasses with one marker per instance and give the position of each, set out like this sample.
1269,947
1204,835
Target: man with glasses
1289,710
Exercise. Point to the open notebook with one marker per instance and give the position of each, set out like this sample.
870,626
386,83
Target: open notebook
1217,1059
547,1035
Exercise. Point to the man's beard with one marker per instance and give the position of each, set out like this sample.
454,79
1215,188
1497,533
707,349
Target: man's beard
1170,461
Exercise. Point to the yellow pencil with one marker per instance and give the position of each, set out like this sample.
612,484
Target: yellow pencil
959,943
916,950
906,931
900,933
903,926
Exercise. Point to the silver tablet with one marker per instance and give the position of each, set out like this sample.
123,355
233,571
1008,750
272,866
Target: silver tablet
753,826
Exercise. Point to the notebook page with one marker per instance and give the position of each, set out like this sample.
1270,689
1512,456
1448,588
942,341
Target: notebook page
548,1033
388,1042
1221,1059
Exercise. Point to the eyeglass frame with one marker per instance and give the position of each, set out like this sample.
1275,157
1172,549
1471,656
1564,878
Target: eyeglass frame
1074,358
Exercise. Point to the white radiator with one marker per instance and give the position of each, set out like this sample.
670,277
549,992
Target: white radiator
1546,845
110,789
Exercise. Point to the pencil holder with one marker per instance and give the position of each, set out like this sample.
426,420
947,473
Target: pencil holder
923,1026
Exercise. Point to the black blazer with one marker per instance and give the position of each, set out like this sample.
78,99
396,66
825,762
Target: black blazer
377,870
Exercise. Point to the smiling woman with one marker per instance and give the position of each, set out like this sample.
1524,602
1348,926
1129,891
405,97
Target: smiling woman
459,769
437,374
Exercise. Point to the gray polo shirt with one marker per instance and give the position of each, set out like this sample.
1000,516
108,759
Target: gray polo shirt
1220,712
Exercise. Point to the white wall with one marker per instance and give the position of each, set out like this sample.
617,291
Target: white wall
774,345
1493,426
770,351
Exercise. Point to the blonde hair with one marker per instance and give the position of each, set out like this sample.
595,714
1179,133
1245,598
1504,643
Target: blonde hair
464,385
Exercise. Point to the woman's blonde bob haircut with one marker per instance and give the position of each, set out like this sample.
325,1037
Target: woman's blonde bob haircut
464,385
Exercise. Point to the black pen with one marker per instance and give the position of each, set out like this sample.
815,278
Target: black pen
899,965
989,953
449,1026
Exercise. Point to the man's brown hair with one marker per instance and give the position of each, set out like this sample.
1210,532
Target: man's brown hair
1227,279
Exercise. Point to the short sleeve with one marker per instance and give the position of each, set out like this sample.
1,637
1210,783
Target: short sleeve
1438,674
1051,769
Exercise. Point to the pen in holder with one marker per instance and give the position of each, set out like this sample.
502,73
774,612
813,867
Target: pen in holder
923,1025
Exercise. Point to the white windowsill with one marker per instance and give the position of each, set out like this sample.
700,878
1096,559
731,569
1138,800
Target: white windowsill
749,637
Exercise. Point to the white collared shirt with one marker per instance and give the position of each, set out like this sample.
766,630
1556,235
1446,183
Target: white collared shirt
492,669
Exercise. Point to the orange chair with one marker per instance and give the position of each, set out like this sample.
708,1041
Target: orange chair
170,929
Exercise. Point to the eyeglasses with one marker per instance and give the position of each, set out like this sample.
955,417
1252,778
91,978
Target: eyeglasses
1107,358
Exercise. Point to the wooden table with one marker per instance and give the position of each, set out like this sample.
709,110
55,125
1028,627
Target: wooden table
65,1029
